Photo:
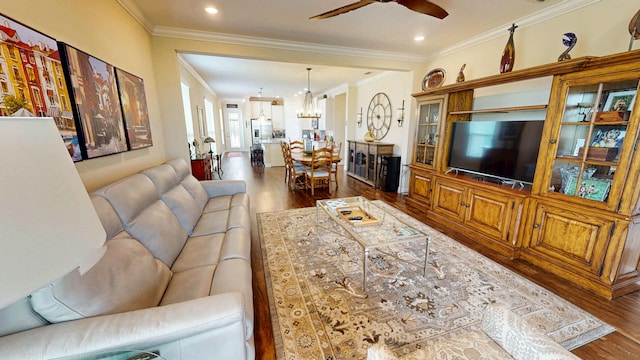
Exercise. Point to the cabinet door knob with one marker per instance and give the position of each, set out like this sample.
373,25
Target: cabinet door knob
552,141
461,204
535,226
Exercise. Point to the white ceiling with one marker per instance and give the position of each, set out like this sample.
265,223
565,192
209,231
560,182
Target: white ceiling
384,30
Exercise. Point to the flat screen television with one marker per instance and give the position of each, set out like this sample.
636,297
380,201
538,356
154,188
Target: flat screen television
506,150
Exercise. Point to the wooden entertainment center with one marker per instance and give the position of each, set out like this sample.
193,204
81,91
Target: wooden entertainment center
580,216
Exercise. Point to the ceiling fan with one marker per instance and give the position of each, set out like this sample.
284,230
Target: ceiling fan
421,6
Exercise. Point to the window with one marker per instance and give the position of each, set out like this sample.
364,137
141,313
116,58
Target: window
211,128
188,117
221,125
234,129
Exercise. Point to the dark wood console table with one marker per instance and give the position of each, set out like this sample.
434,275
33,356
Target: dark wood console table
364,159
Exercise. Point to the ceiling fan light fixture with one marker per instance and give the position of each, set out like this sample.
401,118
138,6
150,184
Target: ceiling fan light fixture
309,109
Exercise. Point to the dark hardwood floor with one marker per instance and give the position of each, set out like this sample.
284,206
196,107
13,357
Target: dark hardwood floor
269,192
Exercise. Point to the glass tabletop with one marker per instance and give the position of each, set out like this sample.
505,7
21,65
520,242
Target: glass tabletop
367,223
126,355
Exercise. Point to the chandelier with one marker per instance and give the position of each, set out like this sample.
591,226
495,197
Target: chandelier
308,110
261,118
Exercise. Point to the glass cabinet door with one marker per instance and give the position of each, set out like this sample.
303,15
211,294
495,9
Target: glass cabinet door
427,133
592,131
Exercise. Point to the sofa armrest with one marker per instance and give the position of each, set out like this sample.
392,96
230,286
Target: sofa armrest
217,188
518,338
203,328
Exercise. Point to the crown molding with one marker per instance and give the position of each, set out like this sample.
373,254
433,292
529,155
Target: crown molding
135,12
195,74
283,44
524,22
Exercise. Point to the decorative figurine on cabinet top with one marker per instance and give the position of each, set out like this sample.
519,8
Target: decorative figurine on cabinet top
460,77
569,41
509,54
634,28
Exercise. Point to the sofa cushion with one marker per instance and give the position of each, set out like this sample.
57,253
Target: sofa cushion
179,200
237,245
518,338
147,218
212,223
127,278
189,284
221,221
234,275
199,251
163,176
225,202
183,206
160,231
108,216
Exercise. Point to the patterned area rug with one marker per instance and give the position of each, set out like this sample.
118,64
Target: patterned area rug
320,311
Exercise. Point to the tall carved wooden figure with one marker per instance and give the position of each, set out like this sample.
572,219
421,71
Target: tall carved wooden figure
509,54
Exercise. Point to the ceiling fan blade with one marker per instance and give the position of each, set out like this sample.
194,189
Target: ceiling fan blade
344,9
425,7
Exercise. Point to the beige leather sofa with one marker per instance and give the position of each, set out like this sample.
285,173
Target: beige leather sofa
176,277
503,335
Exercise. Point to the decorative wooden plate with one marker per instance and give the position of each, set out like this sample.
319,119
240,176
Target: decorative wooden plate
433,79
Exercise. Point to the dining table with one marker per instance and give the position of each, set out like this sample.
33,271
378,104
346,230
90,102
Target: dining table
306,158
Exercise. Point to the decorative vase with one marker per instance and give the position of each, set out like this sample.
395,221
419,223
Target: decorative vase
509,53
369,136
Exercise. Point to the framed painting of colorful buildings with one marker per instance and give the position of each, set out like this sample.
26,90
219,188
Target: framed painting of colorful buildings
134,110
97,105
32,82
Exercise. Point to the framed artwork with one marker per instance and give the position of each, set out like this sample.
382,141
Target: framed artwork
97,104
134,110
620,100
39,86
590,188
314,123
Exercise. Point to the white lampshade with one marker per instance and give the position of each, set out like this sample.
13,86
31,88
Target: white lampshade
48,225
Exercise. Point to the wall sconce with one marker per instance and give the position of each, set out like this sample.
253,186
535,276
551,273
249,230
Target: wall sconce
401,115
359,118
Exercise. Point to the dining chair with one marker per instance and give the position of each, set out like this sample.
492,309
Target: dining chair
337,153
284,146
319,171
295,173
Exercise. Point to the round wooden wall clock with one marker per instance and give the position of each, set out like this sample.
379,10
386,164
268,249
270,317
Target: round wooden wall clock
379,115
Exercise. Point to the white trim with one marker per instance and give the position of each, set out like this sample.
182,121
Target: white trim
282,44
195,74
541,16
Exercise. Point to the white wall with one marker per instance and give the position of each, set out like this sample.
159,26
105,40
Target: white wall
197,93
397,86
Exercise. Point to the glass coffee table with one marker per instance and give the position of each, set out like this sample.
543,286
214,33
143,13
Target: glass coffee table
370,226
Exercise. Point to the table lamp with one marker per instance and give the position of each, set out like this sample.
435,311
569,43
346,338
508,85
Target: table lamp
209,140
48,225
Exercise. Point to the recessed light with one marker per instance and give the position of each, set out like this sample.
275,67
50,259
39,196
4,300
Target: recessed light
419,38
211,10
